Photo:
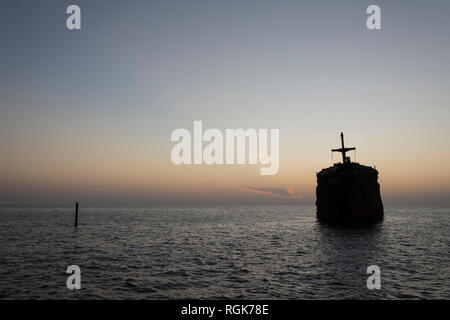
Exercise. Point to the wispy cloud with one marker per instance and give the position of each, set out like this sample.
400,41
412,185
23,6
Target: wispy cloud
277,192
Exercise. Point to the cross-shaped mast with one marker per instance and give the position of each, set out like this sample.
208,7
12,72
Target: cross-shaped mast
343,150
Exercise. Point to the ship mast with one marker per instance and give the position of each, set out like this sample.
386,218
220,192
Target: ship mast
343,150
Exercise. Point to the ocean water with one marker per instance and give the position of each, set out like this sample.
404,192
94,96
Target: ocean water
263,252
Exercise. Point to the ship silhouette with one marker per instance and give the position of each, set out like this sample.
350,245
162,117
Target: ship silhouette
348,192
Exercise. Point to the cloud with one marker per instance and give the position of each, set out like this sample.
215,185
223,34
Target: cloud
277,192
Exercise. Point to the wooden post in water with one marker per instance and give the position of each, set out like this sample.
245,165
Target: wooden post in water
76,214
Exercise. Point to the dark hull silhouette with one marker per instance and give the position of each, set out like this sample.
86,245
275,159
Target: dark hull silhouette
349,193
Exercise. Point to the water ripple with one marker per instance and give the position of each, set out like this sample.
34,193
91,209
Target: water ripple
222,253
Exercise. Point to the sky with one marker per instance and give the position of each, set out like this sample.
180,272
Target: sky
87,114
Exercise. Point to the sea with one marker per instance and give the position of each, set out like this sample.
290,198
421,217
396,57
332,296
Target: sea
238,252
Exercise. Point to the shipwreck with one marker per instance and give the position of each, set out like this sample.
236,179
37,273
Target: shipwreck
348,192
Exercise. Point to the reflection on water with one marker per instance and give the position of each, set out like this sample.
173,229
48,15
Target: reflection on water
345,254
237,252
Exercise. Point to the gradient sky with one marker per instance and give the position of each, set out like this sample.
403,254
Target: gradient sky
87,115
